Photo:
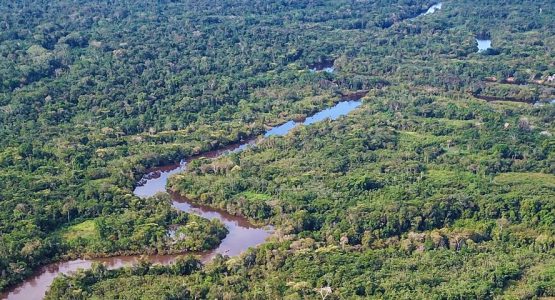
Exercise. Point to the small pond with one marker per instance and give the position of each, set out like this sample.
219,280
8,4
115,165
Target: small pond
325,66
483,45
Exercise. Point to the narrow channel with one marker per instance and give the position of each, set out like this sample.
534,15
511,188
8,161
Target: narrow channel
242,234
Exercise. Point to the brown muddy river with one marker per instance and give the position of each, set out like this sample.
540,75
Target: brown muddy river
242,234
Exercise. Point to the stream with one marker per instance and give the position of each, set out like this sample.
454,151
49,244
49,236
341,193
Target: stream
242,234
433,9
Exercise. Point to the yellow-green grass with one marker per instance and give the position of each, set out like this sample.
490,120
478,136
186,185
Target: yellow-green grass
450,178
534,179
85,230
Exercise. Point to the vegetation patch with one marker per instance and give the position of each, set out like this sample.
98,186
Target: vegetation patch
85,230
528,179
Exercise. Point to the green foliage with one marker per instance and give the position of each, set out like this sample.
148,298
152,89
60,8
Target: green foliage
439,201
424,179
86,230
150,225
145,281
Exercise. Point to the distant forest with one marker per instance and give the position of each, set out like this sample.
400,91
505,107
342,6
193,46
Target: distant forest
440,186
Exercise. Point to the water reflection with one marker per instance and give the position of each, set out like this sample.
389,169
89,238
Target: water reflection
242,234
483,45
433,9
332,113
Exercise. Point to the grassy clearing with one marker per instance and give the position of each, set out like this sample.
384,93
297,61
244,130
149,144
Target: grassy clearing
84,230
534,179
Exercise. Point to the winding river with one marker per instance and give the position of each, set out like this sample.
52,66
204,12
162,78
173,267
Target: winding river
242,234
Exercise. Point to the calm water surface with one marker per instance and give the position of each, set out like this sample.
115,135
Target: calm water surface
332,113
326,66
242,234
483,45
433,9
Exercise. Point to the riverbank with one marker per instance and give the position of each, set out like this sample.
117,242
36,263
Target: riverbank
242,234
